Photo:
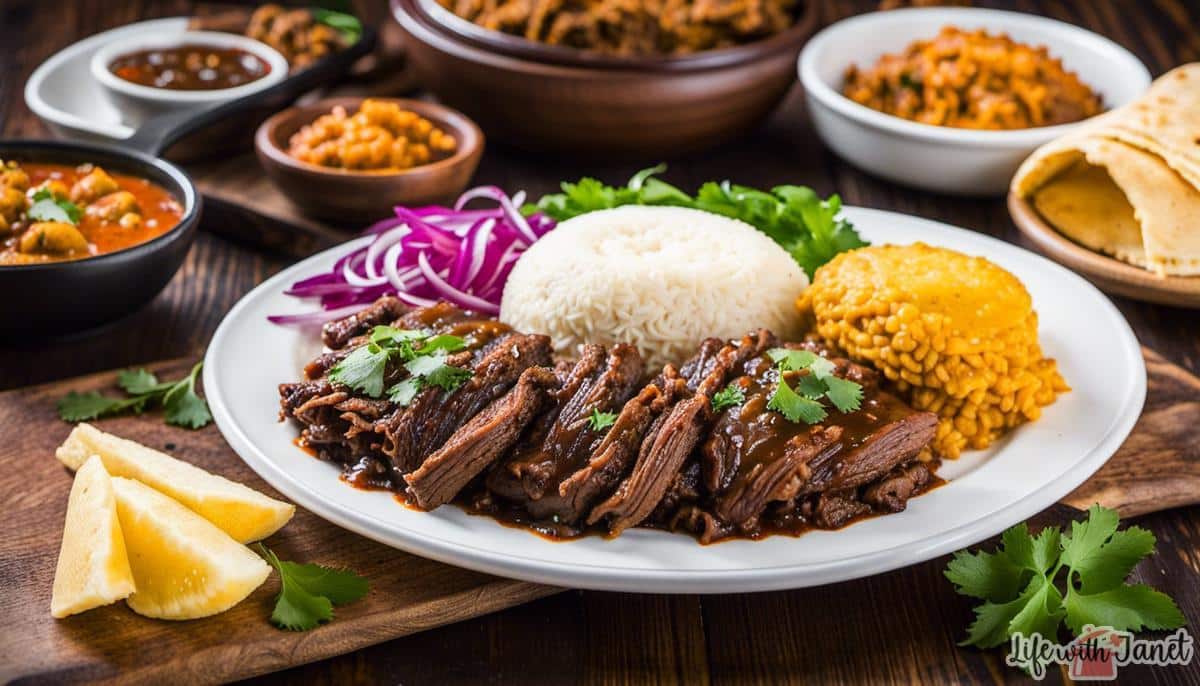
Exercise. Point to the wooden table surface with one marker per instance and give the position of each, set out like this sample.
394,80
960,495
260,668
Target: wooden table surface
896,627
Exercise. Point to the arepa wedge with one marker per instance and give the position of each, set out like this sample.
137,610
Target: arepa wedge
238,510
93,567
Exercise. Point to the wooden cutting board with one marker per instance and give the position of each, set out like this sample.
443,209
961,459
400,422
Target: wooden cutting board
1157,468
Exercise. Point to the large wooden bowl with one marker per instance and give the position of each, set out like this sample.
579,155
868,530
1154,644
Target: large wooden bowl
1109,274
549,99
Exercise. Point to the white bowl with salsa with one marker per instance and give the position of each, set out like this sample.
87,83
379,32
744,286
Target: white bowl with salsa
147,75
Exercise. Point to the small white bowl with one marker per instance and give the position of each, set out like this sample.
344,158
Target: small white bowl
941,158
137,103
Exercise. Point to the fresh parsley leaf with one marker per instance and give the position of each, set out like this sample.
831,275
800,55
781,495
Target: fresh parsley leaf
845,395
388,335
1124,608
345,24
795,407
600,421
80,407
818,383
1096,558
181,405
810,386
987,576
443,343
139,381
308,592
730,396
447,377
403,393
791,360
50,208
362,370
808,228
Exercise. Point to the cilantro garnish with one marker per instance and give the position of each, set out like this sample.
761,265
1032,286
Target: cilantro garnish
795,217
600,421
347,25
1022,589
181,405
730,396
803,403
422,353
308,592
48,207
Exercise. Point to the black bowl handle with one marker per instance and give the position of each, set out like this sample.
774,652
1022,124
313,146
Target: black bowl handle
159,133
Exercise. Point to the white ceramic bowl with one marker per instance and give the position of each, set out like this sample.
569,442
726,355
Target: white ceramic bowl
138,103
940,158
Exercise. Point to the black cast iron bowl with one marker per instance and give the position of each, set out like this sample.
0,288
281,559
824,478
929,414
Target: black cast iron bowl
59,297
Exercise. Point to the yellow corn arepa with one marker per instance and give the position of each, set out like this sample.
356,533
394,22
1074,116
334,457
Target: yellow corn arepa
93,566
183,565
956,334
238,510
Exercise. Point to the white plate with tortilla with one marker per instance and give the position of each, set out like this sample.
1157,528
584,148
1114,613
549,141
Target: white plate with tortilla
987,491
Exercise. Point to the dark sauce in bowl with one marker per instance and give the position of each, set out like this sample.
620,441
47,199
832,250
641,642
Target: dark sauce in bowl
190,67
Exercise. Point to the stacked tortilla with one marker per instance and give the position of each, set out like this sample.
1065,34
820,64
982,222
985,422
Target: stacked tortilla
1127,184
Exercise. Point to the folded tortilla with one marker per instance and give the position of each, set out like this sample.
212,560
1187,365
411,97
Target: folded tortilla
1127,184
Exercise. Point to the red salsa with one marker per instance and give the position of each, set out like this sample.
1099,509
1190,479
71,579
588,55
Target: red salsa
190,67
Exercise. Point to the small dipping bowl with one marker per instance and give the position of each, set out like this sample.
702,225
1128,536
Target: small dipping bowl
138,103
942,158
346,196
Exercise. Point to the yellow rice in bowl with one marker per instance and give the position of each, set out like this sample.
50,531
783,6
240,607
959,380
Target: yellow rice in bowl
956,334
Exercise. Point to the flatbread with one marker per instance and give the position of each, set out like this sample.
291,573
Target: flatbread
1086,206
1150,152
1164,122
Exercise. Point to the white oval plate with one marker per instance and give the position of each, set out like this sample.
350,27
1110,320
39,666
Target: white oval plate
987,492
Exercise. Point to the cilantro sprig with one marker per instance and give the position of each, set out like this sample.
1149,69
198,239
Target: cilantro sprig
795,217
347,25
181,405
803,403
48,207
422,353
308,592
1035,583
730,396
599,421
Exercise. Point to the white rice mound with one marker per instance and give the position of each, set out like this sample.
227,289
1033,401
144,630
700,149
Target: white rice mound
661,278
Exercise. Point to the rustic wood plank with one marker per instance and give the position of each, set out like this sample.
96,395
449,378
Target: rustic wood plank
408,593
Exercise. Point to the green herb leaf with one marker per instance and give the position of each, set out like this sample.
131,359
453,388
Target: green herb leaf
792,360
1097,557
181,405
347,25
806,226
80,407
50,208
362,370
845,395
987,576
403,393
730,396
795,407
811,386
308,592
600,421
443,343
447,377
1124,608
139,381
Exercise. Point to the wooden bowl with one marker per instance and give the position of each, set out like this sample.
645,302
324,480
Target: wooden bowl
348,196
1110,274
553,99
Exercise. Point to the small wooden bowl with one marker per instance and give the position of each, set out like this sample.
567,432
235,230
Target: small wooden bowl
554,99
1110,274
348,196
